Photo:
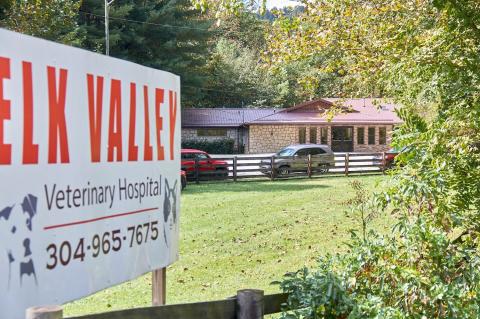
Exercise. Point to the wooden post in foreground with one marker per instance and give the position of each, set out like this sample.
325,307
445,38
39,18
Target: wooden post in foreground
250,304
44,312
159,287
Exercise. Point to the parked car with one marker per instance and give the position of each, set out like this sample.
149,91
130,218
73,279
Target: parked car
390,156
183,178
294,158
207,166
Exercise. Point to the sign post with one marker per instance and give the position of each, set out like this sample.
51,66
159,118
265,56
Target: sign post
159,287
90,173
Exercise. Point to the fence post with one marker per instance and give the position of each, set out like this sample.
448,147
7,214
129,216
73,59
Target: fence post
197,173
235,168
272,168
309,166
347,160
249,304
44,312
159,287
383,163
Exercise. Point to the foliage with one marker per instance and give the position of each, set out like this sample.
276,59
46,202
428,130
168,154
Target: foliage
49,19
388,277
245,29
218,146
271,14
237,76
425,54
240,72
299,81
227,8
361,207
4,6
219,64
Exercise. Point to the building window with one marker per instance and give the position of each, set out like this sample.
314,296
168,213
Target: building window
302,135
206,132
371,136
313,135
324,135
360,135
348,134
382,135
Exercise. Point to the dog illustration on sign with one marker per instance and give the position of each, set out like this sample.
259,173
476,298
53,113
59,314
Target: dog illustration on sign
15,224
169,208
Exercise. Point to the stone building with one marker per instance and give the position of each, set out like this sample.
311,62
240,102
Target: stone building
220,123
346,125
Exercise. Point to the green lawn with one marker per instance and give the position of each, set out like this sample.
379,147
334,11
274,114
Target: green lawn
244,235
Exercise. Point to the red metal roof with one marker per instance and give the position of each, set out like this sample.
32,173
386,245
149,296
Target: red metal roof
355,111
222,117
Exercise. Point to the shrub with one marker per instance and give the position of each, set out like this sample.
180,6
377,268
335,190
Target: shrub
418,270
220,146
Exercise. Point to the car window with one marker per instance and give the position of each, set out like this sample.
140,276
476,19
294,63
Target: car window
303,152
397,150
317,151
188,156
286,152
202,156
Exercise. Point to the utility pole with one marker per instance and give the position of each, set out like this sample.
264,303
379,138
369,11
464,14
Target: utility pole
107,31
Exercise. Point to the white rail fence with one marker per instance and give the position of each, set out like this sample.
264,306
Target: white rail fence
239,167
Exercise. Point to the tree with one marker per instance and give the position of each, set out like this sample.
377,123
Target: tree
49,19
423,54
240,74
4,5
237,78
237,75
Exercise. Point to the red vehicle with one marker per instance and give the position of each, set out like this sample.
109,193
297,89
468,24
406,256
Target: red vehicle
390,157
183,177
207,166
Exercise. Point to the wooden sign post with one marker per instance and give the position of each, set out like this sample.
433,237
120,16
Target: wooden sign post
159,287
45,312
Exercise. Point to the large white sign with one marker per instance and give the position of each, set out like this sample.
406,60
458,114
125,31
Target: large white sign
89,172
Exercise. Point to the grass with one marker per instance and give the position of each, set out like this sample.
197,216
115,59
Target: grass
244,235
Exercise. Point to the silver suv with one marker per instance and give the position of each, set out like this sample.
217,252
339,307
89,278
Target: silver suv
294,158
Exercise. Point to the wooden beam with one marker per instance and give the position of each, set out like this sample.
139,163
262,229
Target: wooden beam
273,303
256,304
221,309
44,312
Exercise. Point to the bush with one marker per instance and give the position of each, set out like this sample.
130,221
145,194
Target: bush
221,146
417,271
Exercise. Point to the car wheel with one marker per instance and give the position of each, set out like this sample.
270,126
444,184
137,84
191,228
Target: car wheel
323,168
222,172
283,171
184,182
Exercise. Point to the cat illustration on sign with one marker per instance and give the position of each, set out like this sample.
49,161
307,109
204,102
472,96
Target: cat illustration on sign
169,208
